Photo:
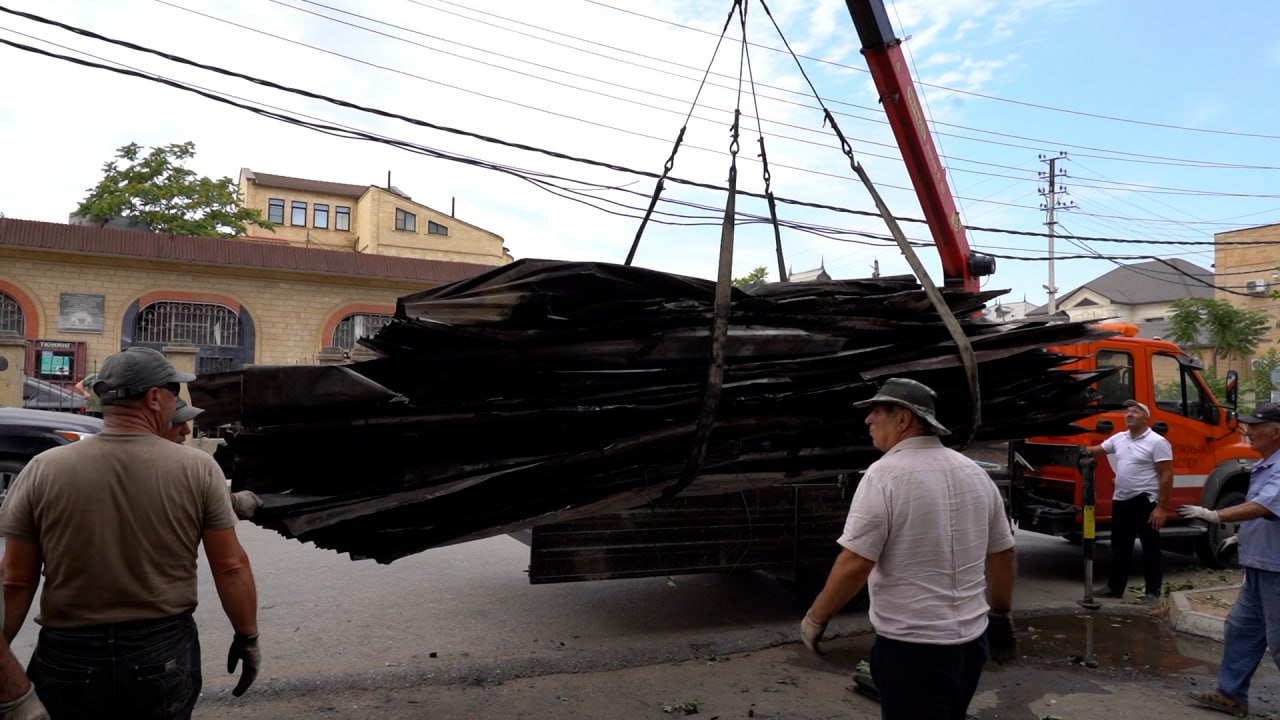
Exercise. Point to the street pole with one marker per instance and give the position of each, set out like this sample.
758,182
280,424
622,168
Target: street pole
1089,500
1051,206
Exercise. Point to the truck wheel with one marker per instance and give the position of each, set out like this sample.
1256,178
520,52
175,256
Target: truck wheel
1207,544
9,470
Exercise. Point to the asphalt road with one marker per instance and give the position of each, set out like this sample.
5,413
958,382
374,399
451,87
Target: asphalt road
467,615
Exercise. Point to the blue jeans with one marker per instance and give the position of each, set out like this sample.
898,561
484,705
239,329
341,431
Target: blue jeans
1252,625
143,670
926,682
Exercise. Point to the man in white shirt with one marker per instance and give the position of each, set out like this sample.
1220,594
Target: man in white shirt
1144,478
927,532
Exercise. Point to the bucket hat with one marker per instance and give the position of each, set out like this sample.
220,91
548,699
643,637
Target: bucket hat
910,394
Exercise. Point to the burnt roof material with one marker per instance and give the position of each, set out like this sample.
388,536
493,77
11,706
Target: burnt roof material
54,237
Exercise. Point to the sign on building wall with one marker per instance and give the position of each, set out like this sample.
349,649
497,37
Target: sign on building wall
81,312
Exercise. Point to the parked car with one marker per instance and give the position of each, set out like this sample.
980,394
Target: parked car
43,395
26,433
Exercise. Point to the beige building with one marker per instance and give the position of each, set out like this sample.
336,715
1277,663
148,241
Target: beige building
75,294
364,219
1248,276
1138,293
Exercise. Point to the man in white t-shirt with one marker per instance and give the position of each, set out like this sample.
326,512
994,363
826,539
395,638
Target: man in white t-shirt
927,533
1144,477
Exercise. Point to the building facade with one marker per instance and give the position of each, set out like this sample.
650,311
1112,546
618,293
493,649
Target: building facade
1247,274
76,294
365,219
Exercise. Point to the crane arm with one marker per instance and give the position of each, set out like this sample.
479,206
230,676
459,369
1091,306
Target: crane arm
961,267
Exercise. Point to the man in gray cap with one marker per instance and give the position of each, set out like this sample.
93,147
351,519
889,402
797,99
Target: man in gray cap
1253,624
927,533
115,521
244,503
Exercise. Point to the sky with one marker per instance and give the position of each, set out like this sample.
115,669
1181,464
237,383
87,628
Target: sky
546,122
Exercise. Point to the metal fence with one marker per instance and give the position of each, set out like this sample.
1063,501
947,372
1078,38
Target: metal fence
188,323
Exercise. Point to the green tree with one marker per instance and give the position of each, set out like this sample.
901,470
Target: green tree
1226,329
157,191
759,276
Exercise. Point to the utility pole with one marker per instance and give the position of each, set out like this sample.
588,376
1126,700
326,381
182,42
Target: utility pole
1051,204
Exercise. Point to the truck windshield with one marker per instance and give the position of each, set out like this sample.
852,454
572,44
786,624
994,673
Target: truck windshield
1179,390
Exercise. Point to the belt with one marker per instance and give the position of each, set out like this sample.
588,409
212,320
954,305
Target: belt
126,628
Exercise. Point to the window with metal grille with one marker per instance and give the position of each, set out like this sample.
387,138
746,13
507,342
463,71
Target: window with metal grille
188,323
275,211
354,327
406,221
11,318
435,228
342,220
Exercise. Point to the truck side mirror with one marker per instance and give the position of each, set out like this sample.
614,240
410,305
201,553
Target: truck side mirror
1105,427
1233,388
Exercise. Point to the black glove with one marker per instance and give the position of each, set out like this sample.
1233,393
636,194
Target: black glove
244,647
1001,640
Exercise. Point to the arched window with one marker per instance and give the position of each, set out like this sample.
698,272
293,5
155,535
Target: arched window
11,318
353,327
172,323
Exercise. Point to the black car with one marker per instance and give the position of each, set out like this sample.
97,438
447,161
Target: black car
26,433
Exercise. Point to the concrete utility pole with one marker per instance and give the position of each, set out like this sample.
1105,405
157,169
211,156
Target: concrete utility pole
1051,204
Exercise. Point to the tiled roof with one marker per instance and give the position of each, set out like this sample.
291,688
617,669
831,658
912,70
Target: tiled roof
304,185
1147,282
55,237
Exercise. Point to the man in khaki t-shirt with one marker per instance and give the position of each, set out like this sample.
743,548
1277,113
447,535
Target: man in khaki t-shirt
114,521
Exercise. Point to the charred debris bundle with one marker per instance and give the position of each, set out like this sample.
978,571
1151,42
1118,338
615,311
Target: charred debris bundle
546,391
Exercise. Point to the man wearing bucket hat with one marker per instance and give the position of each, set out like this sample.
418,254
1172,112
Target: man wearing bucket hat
1253,624
115,522
1144,480
927,533
244,503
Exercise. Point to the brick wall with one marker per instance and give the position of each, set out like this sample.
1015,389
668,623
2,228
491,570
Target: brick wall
291,310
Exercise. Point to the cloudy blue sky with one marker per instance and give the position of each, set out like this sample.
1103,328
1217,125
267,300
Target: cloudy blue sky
1166,111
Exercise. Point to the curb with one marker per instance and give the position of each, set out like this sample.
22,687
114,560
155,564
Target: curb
1185,620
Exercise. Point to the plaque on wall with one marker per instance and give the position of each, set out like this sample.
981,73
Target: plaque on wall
81,312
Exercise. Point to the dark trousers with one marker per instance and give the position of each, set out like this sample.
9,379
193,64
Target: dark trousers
144,670
926,682
1129,519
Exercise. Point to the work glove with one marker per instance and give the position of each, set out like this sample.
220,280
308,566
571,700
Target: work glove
27,707
245,503
1002,643
811,633
1195,512
244,647
1229,545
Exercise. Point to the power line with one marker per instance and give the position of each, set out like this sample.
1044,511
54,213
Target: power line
984,96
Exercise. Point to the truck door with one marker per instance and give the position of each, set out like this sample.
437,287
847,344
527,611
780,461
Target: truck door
1185,413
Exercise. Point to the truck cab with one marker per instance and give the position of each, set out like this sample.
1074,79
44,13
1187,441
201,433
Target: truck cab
1211,462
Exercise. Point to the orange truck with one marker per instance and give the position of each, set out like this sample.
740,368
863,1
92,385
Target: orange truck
1211,462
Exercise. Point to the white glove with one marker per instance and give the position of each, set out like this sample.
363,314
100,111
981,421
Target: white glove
245,503
1229,545
811,633
1195,512
27,707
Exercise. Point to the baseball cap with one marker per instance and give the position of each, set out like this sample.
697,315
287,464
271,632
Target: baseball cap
910,394
1134,403
133,371
1266,412
185,413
